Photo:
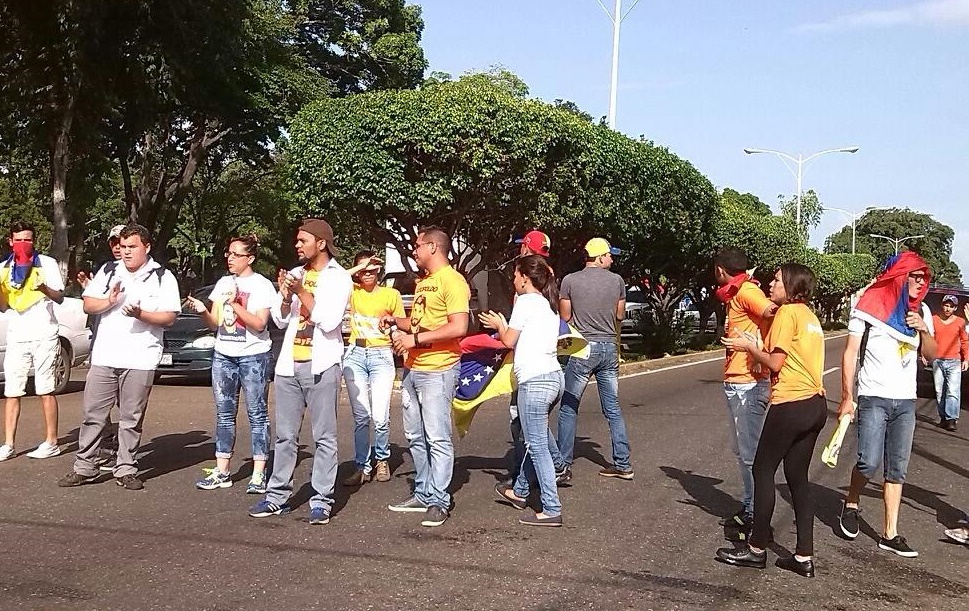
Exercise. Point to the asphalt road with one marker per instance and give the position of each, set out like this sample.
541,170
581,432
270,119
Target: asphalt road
645,544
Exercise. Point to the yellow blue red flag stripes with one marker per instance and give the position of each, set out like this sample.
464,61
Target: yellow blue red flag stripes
486,371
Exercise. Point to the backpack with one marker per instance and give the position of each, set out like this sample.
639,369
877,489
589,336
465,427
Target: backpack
110,268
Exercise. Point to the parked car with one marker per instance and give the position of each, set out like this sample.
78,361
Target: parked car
74,337
925,381
190,343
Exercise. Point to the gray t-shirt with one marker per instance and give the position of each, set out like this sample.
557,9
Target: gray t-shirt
594,293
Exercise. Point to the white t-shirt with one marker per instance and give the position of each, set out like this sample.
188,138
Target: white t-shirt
535,352
37,322
254,292
890,365
125,342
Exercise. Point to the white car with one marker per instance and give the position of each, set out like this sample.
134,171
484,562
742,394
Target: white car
75,340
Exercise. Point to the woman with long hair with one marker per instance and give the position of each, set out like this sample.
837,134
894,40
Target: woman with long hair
369,369
239,314
533,333
793,352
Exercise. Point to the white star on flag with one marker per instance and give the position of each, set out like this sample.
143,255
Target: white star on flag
465,381
497,358
478,377
488,369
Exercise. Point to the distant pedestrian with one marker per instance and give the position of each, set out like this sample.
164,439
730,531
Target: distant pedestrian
746,382
135,306
369,368
312,301
533,333
793,352
431,338
951,360
887,330
30,285
593,300
239,314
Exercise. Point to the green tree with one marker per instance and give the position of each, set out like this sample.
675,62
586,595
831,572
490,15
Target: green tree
811,210
746,201
839,276
935,247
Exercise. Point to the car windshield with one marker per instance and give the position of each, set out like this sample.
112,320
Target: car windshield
635,296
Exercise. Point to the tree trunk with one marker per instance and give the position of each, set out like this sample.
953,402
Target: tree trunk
60,161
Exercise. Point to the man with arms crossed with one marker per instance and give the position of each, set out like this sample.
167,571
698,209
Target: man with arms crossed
594,301
745,383
439,319
30,285
135,307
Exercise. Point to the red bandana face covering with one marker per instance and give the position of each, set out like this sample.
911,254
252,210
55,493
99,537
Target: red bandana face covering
729,290
23,252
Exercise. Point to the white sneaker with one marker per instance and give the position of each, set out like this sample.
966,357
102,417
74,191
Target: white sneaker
6,452
45,450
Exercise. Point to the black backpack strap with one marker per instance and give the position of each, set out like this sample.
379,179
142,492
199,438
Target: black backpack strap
863,348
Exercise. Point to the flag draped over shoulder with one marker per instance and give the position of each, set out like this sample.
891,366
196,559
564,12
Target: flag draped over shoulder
887,301
486,371
20,279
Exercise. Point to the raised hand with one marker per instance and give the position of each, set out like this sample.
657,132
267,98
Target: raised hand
114,294
83,279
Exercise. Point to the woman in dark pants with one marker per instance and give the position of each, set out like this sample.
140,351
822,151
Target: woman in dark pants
794,354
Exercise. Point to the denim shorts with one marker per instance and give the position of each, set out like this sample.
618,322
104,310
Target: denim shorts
885,431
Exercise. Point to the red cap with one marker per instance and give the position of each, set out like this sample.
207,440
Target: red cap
537,242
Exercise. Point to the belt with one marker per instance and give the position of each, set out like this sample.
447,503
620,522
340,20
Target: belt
360,342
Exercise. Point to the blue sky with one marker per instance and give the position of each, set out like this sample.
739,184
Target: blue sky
708,78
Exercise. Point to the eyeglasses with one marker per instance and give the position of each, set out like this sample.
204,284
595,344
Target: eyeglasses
370,272
237,255
919,277
418,245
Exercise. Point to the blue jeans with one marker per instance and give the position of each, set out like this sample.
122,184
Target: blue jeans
748,408
948,387
251,374
369,374
603,363
536,398
427,427
885,431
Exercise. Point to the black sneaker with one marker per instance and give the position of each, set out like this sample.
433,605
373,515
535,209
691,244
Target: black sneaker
738,520
435,516
849,521
408,505
897,545
130,482
74,479
952,425
563,477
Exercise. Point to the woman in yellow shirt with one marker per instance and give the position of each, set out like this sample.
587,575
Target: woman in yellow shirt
794,353
368,367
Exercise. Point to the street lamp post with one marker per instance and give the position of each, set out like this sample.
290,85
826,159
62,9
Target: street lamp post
616,18
799,161
897,241
854,219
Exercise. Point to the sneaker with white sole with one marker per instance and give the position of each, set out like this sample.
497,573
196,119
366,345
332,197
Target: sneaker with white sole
897,545
45,450
7,452
257,483
959,535
214,479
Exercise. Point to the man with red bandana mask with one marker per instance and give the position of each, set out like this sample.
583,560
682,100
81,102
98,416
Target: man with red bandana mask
745,383
30,285
887,330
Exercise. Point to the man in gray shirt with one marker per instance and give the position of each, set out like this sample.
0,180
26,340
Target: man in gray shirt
593,300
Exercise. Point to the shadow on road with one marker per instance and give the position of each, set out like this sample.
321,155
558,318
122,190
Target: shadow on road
703,492
167,453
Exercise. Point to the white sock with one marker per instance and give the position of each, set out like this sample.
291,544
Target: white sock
800,558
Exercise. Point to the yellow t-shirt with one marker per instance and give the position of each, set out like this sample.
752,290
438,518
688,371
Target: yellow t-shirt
744,315
366,310
438,295
796,331
303,340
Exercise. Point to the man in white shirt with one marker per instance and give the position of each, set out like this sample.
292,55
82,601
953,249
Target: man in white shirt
30,285
135,306
312,301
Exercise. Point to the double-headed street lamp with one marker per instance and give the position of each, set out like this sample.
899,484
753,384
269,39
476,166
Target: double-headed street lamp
854,219
617,18
799,161
897,241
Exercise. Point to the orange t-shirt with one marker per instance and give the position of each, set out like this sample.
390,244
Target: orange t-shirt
951,339
745,315
796,331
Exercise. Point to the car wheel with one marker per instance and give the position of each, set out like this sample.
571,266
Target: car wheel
62,368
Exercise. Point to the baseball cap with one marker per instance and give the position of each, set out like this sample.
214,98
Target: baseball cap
596,247
322,230
115,232
951,299
537,242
